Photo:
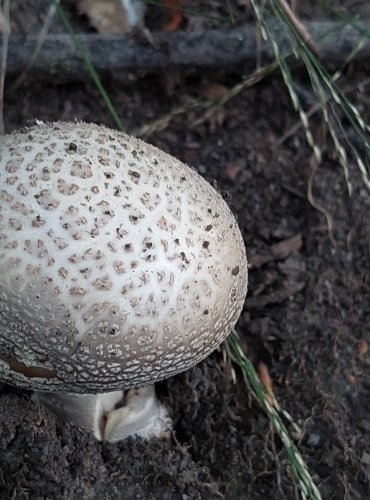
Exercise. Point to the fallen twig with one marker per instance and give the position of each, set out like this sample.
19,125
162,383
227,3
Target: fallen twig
58,57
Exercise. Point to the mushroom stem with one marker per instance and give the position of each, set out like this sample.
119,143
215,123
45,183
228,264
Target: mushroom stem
112,416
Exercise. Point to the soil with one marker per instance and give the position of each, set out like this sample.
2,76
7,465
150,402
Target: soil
306,316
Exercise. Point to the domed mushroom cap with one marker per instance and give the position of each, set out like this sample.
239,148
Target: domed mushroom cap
119,265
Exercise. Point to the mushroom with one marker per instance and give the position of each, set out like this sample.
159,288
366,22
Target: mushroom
120,266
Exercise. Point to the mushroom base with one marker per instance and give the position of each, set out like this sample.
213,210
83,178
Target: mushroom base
112,416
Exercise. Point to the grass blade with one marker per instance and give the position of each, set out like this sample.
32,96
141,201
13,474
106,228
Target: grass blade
90,68
276,416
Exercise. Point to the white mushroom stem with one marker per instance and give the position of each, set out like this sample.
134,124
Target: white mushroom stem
112,416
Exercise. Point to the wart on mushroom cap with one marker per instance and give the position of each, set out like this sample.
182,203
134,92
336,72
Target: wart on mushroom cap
120,266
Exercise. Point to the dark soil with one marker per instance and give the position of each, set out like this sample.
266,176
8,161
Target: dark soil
307,315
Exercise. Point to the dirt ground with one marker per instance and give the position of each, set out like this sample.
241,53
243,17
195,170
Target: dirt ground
306,316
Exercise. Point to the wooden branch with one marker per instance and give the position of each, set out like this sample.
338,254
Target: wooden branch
59,57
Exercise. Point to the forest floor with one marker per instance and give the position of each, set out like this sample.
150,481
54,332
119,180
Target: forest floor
306,316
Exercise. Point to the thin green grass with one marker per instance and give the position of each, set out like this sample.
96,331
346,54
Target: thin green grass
277,416
334,105
230,9
89,67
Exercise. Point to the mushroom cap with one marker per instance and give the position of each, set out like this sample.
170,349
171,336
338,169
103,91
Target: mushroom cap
119,265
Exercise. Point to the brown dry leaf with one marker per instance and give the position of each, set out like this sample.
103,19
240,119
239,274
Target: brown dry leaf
294,267
266,380
174,14
214,91
109,17
284,248
256,261
362,347
234,168
276,296
351,378
279,251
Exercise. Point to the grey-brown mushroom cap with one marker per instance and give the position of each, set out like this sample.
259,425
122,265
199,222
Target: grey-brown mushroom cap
119,265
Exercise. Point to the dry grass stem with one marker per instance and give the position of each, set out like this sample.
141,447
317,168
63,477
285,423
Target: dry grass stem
300,27
210,106
43,34
314,203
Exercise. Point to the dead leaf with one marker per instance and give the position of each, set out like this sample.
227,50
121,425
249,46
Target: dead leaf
175,15
284,248
233,168
279,251
351,378
110,16
213,91
294,267
257,261
266,380
276,296
362,348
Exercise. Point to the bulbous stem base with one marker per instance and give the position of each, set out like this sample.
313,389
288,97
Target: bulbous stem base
112,416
